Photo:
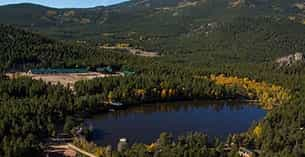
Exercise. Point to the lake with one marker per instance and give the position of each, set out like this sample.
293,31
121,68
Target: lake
144,123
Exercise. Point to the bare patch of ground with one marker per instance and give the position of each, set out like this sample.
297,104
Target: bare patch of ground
67,150
236,3
60,150
68,80
134,51
300,6
183,4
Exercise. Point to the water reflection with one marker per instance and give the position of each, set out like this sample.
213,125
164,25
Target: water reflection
144,123
186,106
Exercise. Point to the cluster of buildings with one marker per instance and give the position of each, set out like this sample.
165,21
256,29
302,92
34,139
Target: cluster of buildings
107,70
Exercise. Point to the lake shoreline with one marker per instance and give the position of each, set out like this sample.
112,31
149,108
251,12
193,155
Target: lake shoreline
128,105
127,117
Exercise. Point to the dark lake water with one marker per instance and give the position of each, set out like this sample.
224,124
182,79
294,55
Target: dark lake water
145,123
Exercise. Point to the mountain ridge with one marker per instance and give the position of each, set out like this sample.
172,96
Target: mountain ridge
166,25
140,14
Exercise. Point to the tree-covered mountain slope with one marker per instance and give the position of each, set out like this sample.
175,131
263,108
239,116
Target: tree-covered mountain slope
232,40
241,30
162,17
22,50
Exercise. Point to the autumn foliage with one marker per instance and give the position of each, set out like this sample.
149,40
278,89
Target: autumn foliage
267,94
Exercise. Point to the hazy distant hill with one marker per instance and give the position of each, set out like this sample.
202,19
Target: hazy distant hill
162,17
240,30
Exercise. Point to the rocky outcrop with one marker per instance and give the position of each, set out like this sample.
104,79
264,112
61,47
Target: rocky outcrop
291,59
236,3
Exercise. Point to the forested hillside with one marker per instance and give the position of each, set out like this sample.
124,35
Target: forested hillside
21,50
244,39
142,17
247,30
211,49
156,80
